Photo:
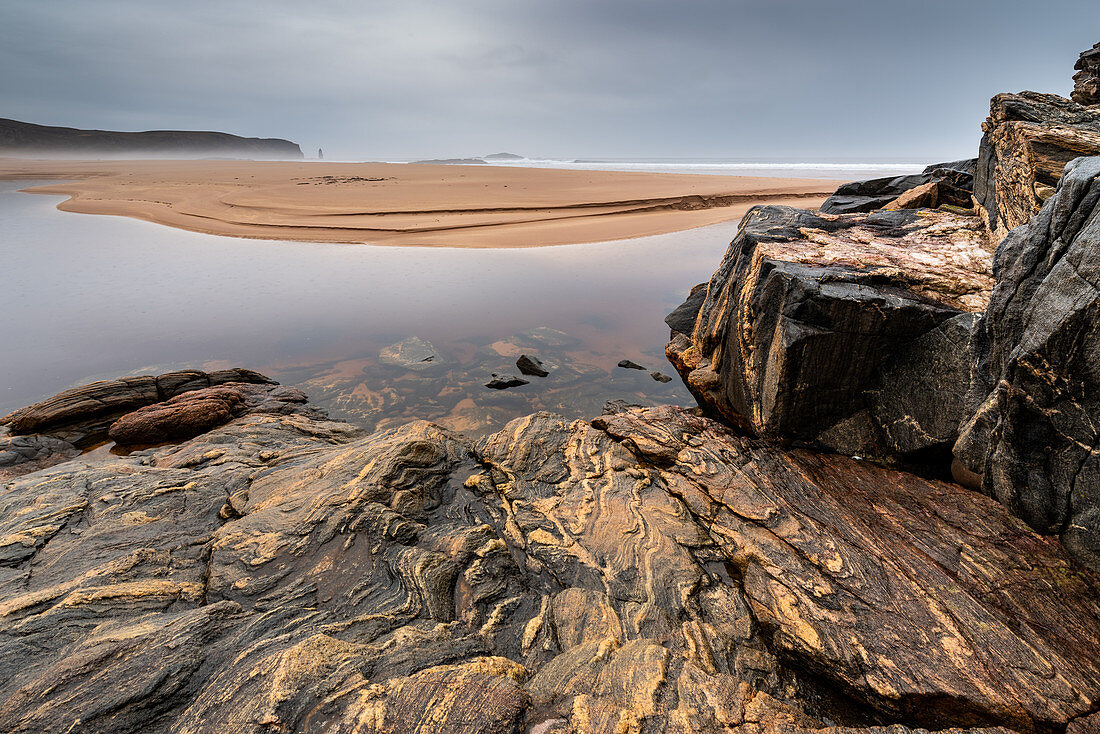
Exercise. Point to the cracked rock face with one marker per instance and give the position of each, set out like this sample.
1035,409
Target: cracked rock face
1029,138
1033,439
811,320
648,571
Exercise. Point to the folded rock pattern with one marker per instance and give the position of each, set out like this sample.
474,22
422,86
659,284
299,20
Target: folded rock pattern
648,571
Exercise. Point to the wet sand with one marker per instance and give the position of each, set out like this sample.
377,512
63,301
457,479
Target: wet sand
399,204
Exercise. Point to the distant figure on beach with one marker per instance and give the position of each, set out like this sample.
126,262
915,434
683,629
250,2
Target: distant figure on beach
320,154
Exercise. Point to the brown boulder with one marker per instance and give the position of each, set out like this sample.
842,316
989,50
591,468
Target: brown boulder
183,416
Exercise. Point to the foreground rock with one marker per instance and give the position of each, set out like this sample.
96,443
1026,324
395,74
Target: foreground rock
1028,139
649,571
1033,442
810,321
1086,82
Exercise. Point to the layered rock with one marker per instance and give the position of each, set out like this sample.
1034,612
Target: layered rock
84,412
811,321
648,571
1086,82
940,183
1028,139
1033,441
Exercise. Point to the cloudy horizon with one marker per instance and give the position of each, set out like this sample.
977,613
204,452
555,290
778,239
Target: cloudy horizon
785,80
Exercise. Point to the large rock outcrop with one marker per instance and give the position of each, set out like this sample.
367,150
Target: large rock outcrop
812,322
27,139
1086,82
1028,139
648,571
1033,442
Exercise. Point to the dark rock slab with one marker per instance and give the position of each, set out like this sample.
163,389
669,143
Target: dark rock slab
628,365
953,182
503,382
660,376
23,454
1086,82
1028,139
529,365
803,316
1033,437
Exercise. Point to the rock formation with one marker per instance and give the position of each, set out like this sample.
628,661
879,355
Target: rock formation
948,183
647,571
1086,82
1029,138
811,320
1033,440
27,139
85,412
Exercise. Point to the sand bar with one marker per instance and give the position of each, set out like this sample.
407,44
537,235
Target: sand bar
398,204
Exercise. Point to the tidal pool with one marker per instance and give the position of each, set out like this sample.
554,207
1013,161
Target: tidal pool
88,297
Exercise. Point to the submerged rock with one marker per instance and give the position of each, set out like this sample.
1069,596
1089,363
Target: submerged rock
647,571
1033,439
1028,139
627,364
808,318
412,353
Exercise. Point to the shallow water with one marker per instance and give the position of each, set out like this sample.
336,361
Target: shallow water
87,297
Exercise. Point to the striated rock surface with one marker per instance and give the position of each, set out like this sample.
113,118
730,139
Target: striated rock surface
83,412
950,182
1086,82
198,411
649,571
1028,139
1033,442
810,321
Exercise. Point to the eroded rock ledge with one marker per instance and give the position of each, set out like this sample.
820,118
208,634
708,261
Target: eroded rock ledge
648,571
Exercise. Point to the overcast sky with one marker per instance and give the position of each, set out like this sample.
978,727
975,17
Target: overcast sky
764,80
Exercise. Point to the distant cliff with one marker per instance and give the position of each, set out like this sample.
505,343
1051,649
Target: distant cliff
28,139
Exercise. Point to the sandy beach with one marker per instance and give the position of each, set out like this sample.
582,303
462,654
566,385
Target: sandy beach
398,204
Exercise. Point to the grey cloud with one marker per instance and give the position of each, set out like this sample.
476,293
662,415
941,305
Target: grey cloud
769,79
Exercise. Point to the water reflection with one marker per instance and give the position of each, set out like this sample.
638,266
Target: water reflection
91,297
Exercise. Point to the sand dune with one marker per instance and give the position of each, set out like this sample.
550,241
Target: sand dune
395,204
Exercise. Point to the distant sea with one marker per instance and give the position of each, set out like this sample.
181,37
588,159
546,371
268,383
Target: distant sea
848,171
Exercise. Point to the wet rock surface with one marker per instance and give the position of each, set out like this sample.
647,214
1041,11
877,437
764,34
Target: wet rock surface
1028,139
648,571
1033,437
805,326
